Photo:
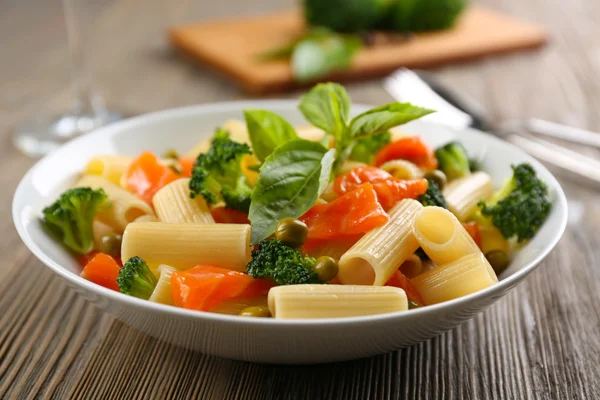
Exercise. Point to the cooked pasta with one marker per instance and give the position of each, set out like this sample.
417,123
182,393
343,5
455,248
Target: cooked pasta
462,195
146,218
334,301
122,207
162,291
375,257
412,267
336,222
465,275
174,205
402,169
441,236
100,230
110,167
186,245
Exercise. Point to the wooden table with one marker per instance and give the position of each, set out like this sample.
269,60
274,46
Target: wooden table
541,341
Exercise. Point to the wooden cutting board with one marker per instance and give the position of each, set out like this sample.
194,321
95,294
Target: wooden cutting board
230,46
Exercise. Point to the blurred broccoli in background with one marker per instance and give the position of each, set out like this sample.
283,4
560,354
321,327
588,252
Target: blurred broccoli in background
423,15
395,15
346,15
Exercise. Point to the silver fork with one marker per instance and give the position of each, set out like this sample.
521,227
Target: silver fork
459,112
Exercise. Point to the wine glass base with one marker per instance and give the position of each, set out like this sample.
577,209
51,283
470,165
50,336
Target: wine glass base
40,137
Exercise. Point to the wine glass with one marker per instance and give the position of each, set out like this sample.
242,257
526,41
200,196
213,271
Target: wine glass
87,112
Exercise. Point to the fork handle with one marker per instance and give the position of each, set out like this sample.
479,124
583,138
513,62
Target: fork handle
576,163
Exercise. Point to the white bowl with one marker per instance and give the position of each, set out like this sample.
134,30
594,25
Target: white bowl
265,340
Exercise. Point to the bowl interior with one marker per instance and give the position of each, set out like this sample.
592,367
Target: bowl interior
182,128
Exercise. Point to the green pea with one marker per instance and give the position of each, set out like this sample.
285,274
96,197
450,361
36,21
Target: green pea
292,232
171,154
413,304
326,268
438,177
111,244
256,311
498,260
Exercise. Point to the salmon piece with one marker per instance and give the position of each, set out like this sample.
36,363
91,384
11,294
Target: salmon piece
356,212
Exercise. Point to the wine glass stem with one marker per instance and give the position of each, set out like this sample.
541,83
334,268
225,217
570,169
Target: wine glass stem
86,103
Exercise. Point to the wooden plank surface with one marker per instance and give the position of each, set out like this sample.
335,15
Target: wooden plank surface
541,341
231,46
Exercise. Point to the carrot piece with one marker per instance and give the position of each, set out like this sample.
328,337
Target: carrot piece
103,270
412,149
353,179
353,213
399,280
224,215
205,286
187,165
473,230
145,176
391,191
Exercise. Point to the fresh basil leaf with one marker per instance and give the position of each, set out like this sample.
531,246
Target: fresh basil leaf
267,130
365,148
381,119
316,58
327,106
290,181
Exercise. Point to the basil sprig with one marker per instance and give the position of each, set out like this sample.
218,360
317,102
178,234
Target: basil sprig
327,106
295,172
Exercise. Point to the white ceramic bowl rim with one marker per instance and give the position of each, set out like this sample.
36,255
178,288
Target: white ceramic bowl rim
224,318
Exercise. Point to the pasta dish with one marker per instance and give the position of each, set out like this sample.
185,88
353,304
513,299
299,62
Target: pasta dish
341,217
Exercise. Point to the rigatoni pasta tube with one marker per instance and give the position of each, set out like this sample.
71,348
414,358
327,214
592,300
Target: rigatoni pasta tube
402,169
162,291
375,257
412,267
123,208
442,236
462,195
110,167
334,301
174,205
186,245
458,278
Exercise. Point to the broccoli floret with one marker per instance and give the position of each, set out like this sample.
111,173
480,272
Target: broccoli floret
365,148
424,15
346,15
217,174
521,206
71,217
136,279
453,160
282,264
433,196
